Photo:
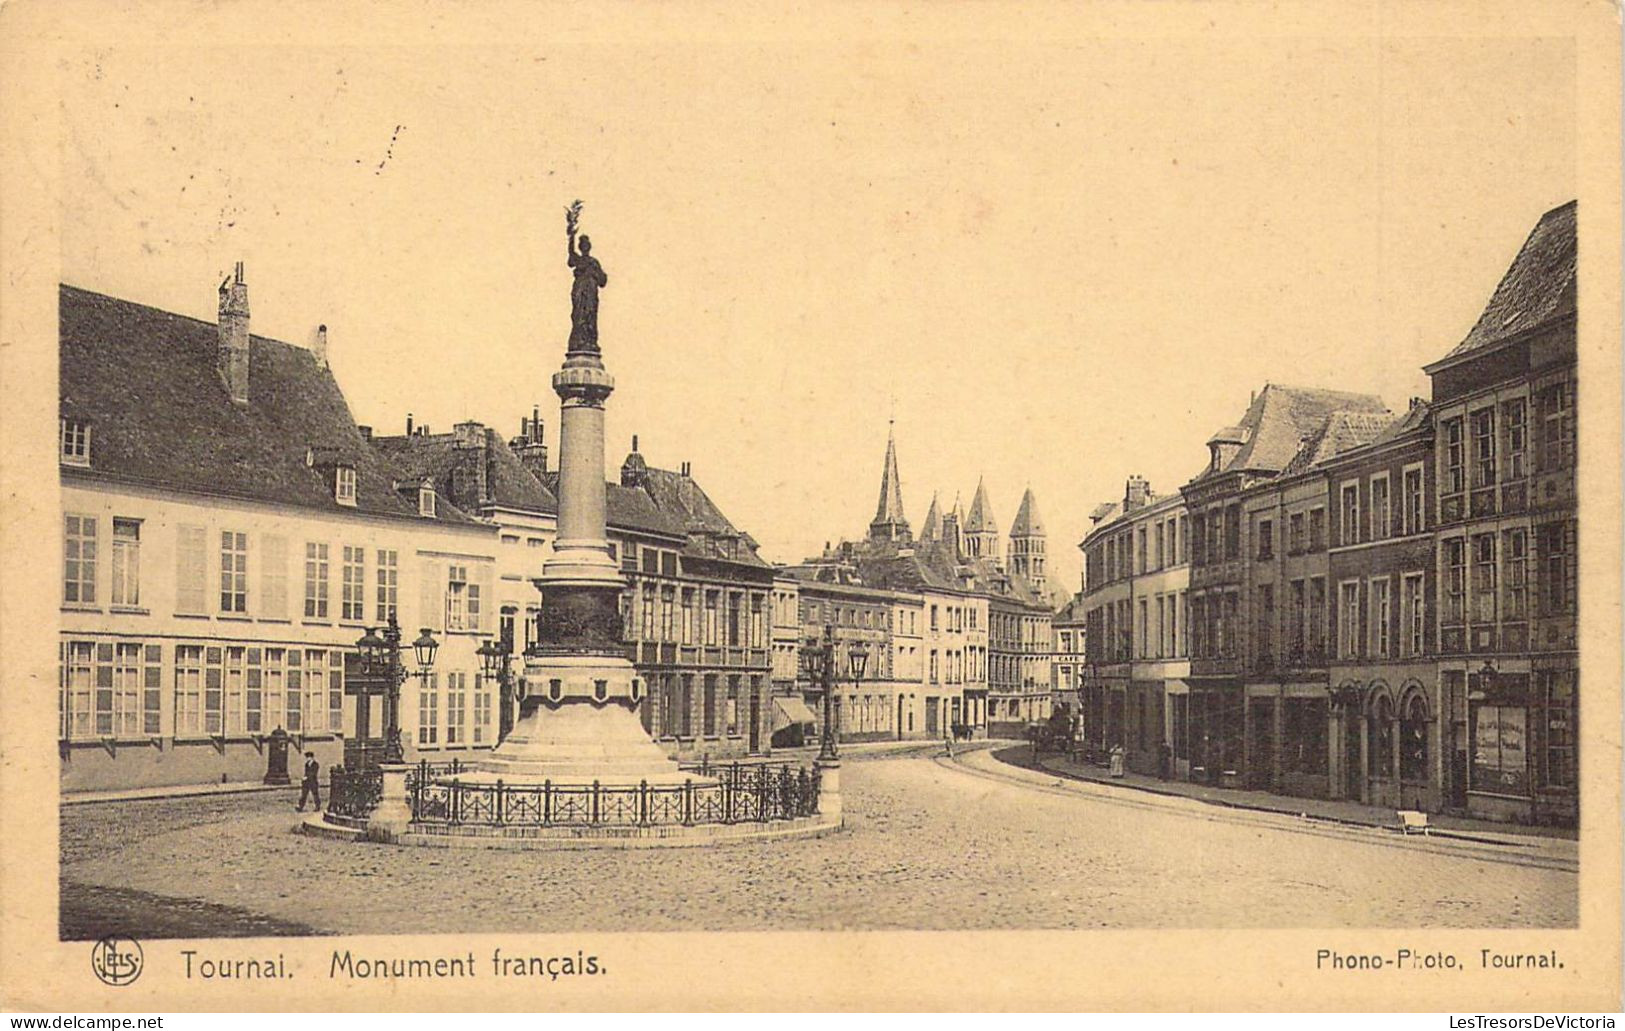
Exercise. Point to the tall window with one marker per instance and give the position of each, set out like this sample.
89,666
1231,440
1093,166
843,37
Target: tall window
1484,578
1144,628
1414,521
1455,474
189,691
1515,554
1455,580
1317,529
315,581
1317,617
1381,619
1297,621
1513,415
688,615
1561,731
1554,552
353,586
462,600
1554,407
709,706
1160,553
1348,620
1349,531
1294,534
1484,447
75,442
1413,614
1266,539
389,584
429,710
126,589
456,713
233,571
1264,636
1381,516
712,623
79,552
236,702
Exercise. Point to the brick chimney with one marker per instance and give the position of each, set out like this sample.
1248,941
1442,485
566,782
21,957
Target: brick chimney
470,475
1136,492
319,349
233,351
530,446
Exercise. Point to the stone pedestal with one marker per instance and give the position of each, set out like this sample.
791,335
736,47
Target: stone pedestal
579,722
393,817
829,789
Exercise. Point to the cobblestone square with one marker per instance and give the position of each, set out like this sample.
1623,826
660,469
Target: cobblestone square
929,844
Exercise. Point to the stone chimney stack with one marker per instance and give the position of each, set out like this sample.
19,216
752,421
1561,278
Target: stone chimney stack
529,446
320,348
1136,492
471,473
233,352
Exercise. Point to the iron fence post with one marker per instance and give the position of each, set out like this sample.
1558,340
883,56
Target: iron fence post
643,802
547,802
594,819
498,808
688,803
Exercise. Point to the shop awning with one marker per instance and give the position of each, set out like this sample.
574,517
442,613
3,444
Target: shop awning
788,711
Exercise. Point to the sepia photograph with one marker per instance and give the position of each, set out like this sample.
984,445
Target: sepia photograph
872,474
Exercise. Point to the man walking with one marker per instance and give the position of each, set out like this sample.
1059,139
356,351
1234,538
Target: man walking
311,785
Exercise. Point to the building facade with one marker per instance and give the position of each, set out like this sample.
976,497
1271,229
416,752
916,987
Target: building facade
229,535
1507,562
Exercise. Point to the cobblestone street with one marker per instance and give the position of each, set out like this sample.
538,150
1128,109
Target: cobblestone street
928,845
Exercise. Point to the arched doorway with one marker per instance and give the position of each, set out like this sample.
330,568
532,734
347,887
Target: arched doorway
1415,758
1381,744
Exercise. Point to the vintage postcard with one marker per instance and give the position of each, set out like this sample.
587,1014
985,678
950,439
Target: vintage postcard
969,506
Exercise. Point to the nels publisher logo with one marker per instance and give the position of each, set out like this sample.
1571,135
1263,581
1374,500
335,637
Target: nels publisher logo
117,961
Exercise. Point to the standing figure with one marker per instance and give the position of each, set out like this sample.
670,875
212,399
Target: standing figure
311,785
590,277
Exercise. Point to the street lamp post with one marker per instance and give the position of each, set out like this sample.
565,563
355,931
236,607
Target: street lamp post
496,661
380,649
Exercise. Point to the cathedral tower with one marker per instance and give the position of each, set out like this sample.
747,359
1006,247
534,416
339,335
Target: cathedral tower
1027,542
889,523
981,530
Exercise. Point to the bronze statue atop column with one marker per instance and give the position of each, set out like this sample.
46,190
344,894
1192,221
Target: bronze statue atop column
589,278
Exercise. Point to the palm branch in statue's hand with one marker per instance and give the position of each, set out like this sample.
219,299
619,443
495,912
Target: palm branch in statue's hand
572,217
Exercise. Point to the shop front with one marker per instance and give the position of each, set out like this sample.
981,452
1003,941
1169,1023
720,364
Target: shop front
1523,744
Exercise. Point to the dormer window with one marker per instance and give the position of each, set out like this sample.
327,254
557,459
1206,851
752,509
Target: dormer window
344,485
426,500
75,442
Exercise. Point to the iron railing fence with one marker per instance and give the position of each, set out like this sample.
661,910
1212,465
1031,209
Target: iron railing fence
757,793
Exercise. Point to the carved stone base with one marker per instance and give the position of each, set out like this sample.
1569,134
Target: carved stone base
580,725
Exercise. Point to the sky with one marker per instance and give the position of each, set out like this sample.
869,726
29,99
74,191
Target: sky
1053,260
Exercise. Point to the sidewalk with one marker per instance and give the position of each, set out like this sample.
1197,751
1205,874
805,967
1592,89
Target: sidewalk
1351,813
171,791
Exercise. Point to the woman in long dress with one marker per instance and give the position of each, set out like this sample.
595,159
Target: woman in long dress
584,294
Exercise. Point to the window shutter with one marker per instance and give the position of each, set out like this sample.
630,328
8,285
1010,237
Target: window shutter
274,578
431,595
484,574
191,570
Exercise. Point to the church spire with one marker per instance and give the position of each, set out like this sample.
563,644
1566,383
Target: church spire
889,522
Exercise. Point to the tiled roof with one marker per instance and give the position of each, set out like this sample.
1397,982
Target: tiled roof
1028,522
1279,419
1538,288
508,483
1341,431
980,516
933,522
148,383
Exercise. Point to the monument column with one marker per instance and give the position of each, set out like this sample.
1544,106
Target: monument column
578,722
